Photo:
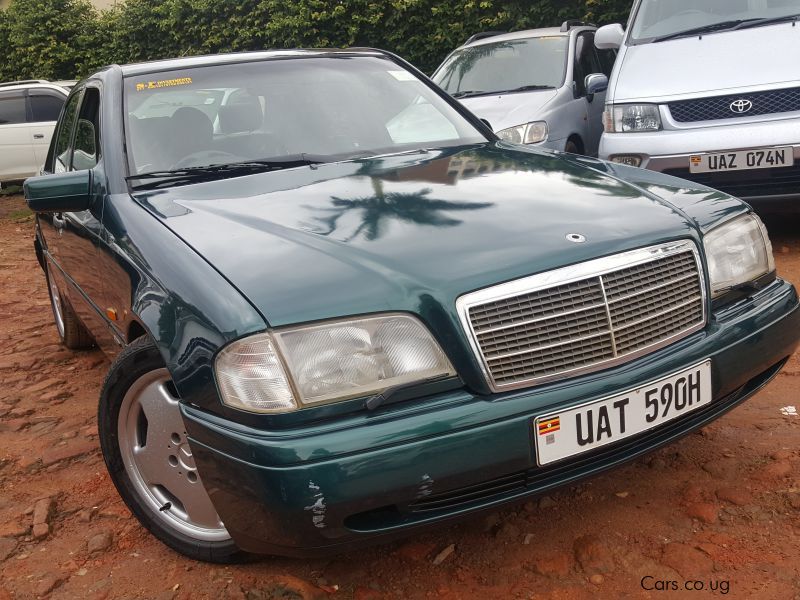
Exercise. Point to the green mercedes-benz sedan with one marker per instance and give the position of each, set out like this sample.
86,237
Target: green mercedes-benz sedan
340,309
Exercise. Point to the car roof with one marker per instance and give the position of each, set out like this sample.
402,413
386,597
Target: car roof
174,64
527,34
32,84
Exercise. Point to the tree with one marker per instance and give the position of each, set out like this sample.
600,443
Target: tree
48,39
68,38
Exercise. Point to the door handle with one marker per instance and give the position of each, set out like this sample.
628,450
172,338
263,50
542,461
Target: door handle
38,136
58,221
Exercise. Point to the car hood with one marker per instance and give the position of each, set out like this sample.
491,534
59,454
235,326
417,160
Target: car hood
508,110
718,63
413,232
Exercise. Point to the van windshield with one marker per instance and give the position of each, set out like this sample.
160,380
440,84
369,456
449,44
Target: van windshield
513,65
657,19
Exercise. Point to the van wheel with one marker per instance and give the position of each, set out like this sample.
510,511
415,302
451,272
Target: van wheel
71,330
150,461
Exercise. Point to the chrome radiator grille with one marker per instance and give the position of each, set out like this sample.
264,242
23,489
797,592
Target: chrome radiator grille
585,317
719,107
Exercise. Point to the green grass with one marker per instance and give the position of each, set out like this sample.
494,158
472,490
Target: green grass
11,190
21,215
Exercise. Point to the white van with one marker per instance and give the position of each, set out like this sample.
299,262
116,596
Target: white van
28,114
708,90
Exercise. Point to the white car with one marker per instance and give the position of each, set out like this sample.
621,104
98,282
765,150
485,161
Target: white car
709,90
28,114
541,86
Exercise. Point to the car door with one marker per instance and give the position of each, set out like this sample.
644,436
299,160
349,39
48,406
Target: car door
587,63
44,106
72,238
17,158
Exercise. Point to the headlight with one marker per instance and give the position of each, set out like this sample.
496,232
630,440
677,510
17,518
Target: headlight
290,369
529,133
737,252
631,118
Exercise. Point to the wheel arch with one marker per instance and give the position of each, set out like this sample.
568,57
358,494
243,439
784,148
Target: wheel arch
578,141
135,331
172,295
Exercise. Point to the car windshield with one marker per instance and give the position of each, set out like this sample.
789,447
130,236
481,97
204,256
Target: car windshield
658,18
505,66
331,108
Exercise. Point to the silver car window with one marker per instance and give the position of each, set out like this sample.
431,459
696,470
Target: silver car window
506,66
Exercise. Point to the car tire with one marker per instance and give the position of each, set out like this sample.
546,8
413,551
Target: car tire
144,445
71,330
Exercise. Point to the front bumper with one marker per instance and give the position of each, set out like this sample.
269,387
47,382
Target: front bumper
335,484
552,144
668,151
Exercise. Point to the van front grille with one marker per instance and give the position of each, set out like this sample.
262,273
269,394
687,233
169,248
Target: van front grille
722,107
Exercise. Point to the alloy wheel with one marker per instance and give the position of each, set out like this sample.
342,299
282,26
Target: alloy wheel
159,461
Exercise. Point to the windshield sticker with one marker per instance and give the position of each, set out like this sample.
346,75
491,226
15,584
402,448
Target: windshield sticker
402,75
164,83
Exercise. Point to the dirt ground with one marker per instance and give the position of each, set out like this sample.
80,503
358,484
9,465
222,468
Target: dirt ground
719,510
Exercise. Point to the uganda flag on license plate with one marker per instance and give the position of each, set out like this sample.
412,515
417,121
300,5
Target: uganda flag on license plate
549,425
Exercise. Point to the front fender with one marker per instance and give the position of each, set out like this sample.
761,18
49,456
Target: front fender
187,307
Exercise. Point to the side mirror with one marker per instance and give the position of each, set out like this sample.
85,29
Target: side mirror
62,192
595,83
609,37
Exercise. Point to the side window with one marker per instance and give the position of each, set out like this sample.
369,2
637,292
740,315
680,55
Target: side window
62,153
12,108
45,107
87,142
586,61
607,58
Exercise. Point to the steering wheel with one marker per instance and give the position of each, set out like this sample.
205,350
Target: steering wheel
205,157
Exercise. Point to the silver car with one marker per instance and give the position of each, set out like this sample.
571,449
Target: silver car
708,90
541,86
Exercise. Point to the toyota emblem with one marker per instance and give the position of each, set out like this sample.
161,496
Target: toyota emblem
576,238
741,106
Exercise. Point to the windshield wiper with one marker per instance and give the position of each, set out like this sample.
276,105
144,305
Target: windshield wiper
204,173
526,88
523,88
467,93
699,30
768,21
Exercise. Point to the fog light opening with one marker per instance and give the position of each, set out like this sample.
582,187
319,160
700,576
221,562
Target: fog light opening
632,160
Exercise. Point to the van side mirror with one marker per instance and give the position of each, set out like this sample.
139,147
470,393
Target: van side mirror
609,37
61,192
595,83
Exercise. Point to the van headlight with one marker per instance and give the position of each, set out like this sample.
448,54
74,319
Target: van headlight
529,133
631,118
737,252
290,369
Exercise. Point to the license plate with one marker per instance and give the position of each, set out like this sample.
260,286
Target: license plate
744,160
575,431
